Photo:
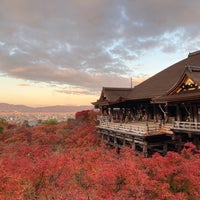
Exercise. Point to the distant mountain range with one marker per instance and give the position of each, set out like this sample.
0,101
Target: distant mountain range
4,107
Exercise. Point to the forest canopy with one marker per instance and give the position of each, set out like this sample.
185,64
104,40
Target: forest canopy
68,161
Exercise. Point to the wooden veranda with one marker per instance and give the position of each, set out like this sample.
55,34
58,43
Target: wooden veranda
146,137
162,113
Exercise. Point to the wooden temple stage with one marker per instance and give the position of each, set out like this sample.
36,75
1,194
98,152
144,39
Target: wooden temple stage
159,114
147,137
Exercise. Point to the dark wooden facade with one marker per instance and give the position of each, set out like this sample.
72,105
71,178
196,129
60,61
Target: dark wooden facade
170,101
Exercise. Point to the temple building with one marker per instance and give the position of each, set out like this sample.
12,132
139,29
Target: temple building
160,114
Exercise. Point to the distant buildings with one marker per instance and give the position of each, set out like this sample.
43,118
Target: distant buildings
33,118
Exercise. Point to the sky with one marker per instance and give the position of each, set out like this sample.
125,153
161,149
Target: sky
63,52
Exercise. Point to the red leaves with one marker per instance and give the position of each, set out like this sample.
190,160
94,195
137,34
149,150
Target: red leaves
180,175
82,114
66,161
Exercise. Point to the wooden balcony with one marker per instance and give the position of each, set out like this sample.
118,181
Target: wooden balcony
187,127
134,128
148,137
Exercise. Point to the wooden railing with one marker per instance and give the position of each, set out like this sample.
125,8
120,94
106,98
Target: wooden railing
131,128
148,128
187,126
136,127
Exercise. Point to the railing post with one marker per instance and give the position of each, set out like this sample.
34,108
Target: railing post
182,125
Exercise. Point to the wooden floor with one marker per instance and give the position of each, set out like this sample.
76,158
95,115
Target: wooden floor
137,128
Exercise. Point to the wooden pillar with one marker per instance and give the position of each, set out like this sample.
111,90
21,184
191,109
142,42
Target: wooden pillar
196,140
198,112
102,136
111,110
101,109
155,113
133,144
147,112
166,114
145,149
107,111
178,112
115,140
108,139
195,113
124,141
165,148
179,143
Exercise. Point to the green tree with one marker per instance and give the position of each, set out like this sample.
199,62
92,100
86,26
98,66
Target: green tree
50,122
1,129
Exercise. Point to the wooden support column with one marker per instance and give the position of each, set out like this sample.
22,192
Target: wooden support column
115,140
165,148
108,139
133,144
124,141
111,111
195,113
167,114
155,114
198,112
107,111
196,140
145,149
146,112
173,137
102,136
179,143
178,112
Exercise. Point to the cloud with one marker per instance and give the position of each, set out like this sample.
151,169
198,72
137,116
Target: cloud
137,80
24,85
76,91
89,44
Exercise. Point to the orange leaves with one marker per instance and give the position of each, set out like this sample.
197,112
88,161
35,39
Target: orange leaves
66,161
177,176
82,114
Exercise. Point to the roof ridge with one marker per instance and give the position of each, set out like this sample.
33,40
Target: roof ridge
118,88
194,53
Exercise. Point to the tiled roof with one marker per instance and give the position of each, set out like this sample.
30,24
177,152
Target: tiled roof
164,81
157,86
113,94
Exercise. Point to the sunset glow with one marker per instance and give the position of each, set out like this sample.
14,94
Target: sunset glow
64,52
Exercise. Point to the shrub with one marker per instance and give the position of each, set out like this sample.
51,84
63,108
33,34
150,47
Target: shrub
50,122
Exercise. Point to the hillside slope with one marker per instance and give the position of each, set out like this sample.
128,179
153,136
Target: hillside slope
67,161
4,107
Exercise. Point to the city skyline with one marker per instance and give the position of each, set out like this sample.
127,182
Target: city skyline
63,52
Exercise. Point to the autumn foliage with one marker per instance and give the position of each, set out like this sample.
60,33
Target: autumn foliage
67,161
